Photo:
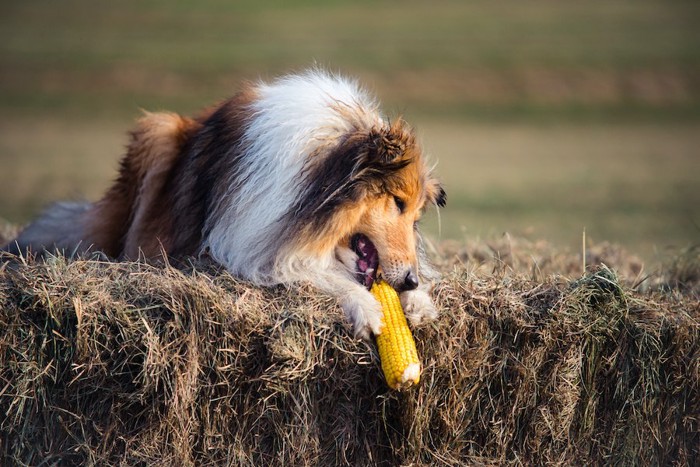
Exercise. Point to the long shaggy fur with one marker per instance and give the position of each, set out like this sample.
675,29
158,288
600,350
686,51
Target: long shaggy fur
273,184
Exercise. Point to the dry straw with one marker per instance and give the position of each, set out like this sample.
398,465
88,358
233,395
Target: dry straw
126,364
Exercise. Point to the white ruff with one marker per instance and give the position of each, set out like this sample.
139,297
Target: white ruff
295,121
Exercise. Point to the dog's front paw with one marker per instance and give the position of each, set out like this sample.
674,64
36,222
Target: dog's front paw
365,314
418,307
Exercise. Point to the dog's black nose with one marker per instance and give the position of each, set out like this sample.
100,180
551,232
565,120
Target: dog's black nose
411,281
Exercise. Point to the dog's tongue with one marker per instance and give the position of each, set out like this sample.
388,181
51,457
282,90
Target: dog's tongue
368,259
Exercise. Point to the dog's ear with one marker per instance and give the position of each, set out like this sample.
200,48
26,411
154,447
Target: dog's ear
437,194
441,199
388,145
384,147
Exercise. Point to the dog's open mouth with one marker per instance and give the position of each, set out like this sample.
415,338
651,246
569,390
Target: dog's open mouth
367,259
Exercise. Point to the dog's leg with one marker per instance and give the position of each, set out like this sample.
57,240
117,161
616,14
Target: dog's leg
361,309
417,304
60,228
358,304
336,277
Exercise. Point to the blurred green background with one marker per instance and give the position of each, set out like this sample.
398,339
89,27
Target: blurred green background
545,117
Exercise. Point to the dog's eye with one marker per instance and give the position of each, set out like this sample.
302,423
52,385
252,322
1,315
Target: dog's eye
400,204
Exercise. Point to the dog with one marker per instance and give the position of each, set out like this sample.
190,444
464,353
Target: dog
301,179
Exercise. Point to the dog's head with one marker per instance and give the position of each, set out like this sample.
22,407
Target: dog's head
368,196
398,187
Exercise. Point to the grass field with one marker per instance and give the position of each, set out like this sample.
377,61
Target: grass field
546,117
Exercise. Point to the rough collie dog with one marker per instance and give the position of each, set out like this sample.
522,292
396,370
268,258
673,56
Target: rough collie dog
298,180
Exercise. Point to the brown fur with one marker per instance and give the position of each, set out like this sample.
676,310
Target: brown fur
152,207
136,214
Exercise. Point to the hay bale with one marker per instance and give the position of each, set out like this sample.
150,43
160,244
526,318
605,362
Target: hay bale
125,363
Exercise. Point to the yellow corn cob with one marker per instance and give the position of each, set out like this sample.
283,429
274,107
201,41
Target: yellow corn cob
397,349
